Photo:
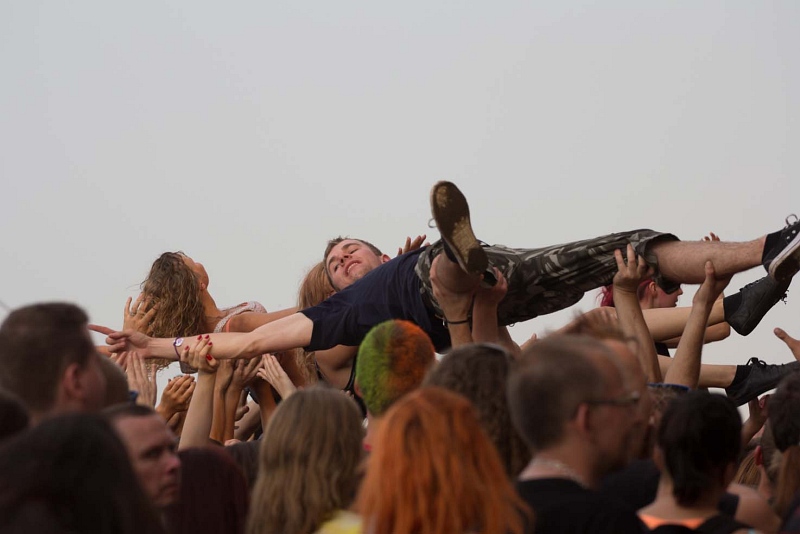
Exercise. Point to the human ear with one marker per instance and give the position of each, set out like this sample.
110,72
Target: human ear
582,418
72,382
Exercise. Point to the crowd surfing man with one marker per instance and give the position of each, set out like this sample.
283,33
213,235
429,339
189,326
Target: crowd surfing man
372,288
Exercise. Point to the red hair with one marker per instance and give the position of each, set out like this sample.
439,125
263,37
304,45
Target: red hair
434,471
606,295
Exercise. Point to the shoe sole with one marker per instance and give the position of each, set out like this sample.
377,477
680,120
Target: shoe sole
451,212
786,264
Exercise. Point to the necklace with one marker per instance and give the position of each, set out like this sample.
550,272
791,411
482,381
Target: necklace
560,467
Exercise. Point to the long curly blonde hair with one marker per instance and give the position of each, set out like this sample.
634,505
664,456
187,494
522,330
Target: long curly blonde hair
172,286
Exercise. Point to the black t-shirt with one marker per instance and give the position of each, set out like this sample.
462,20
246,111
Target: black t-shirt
562,506
791,521
391,291
636,486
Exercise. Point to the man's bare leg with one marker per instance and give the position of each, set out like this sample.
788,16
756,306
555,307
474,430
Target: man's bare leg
684,261
452,276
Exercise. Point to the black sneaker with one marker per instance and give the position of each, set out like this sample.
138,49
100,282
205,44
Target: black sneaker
745,309
451,212
782,261
763,377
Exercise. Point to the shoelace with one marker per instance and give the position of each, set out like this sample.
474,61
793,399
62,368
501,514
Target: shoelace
756,362
792,227
783,298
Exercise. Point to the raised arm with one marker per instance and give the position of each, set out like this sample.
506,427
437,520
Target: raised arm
629,311
284,334
456,308
197,426
685,368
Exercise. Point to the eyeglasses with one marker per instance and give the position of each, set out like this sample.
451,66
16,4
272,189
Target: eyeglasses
628,400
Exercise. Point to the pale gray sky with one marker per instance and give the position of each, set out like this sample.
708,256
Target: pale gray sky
248,133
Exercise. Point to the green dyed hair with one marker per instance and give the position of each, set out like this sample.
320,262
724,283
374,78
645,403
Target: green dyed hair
392,360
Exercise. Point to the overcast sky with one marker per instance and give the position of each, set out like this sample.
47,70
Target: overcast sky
247,134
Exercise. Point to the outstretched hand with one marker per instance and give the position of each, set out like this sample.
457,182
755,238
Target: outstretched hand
792,343
758,412
495,294
712,286
199,356
177,394
272,372
244,372
412,245
631,273
138,316
125,340
141,378
120,359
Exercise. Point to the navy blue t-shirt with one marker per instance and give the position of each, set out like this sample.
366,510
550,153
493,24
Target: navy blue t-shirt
391,291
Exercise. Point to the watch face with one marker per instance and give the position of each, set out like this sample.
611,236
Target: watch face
178,342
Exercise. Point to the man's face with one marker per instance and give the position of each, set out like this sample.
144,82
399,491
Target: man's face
635,380
613,423
349,261
152,450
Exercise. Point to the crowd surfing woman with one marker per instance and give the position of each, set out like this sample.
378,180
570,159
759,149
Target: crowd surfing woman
175,294
434,470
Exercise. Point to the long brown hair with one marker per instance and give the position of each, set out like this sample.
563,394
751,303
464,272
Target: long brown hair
433,470
175,289
309,459
315,287
479,371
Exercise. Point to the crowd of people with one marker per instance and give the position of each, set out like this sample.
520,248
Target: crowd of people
392,398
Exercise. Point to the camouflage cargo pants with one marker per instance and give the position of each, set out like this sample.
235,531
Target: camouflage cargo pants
545,280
